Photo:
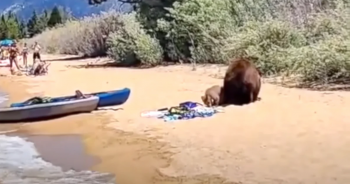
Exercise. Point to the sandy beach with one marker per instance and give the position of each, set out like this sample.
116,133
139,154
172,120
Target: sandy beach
290,136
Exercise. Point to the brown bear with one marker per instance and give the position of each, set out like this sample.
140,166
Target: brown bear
242,82
212,96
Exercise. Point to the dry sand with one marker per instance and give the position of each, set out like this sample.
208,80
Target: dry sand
290,136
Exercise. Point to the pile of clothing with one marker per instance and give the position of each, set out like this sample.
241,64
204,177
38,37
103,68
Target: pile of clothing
43,100
186,110
37,100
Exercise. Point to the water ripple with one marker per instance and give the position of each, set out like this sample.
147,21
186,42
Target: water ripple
21,163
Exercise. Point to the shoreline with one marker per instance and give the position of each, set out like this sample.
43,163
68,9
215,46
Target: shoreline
129,155
261,142
16,89
11,85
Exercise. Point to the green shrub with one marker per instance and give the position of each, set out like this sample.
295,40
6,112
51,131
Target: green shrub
327,61
197,30
131,45
304,38
317,52
267,42
83,37
326,24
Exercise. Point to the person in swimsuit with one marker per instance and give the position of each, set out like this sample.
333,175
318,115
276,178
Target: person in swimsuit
13,52
25,55
36,54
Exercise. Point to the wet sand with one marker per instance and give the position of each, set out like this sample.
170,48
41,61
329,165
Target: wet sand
66,151
17,91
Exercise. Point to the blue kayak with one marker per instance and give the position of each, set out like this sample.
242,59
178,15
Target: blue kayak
111,98
107,98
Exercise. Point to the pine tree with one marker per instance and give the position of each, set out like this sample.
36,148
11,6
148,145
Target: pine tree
11,15
13,31
43,21
9,27
23,30
55,17
3,27
32,25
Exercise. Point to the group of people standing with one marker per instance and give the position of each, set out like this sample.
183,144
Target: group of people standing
13,51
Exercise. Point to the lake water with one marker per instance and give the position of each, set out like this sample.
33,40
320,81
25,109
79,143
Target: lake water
20,161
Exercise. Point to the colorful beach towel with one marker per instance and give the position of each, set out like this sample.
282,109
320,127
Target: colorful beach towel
186,110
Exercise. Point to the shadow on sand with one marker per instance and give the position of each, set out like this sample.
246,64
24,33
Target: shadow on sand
116,65
314,86
108,64
33,120
68,58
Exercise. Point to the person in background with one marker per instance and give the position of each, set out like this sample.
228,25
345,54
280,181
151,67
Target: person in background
25,55
2,52
13,52
36,55
5,52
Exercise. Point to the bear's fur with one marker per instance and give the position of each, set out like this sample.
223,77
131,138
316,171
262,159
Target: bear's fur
212,96
242,82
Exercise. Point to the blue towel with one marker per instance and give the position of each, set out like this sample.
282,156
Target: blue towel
189,105
172,117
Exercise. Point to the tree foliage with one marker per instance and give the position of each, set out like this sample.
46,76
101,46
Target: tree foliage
304,39
11,27
55,17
